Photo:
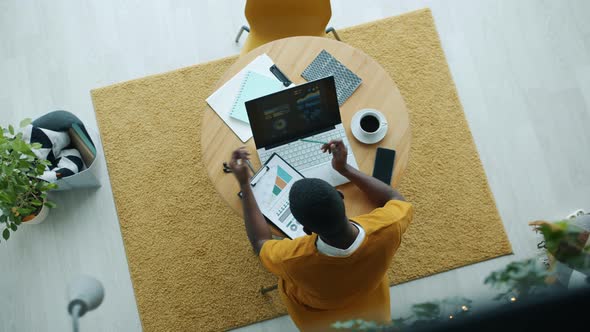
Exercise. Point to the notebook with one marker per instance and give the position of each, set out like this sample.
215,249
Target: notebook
222,100
82,134
83,145
253,86
325,65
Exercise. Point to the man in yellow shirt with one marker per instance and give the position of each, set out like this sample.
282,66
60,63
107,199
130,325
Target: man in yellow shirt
338,271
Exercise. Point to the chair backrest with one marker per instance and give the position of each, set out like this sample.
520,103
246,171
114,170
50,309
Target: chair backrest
285,18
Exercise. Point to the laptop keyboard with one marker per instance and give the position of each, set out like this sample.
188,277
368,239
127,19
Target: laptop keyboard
303,155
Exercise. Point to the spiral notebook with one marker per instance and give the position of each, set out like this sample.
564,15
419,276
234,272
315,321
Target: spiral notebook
253,86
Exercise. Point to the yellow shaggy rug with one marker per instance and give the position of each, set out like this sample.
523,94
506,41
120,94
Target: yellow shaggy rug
191,263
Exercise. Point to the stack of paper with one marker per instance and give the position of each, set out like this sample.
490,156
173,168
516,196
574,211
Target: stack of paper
271,186
222,100
253,86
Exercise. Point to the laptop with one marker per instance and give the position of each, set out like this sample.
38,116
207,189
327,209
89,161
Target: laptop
308,111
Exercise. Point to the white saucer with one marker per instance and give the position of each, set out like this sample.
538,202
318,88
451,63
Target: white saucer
355,126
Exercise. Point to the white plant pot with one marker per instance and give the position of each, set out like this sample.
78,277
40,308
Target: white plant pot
39,217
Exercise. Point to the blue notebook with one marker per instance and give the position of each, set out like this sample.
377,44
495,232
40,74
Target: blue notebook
253,86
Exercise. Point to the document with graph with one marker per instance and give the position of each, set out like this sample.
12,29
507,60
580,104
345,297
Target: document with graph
271,186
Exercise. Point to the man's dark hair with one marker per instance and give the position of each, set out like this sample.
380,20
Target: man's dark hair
318,206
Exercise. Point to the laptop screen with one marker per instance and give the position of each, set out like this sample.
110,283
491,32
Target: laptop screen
294,113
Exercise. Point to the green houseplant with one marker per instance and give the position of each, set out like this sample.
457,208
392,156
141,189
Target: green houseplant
22,195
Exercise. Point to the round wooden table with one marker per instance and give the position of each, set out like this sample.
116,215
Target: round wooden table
292,56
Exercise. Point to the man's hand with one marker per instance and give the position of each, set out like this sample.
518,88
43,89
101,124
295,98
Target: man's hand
377,191
238,165
340,153
256,226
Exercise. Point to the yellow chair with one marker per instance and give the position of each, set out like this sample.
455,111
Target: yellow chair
275,19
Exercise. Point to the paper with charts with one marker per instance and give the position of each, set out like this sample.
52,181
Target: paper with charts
271,186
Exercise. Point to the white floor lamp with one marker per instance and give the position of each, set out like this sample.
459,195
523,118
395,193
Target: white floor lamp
84,294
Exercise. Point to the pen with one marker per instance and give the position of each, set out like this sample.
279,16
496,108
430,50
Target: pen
250,166
312,141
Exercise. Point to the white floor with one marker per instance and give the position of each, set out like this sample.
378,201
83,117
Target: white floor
522,69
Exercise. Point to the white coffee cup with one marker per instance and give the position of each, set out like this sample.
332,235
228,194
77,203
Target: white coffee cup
371,122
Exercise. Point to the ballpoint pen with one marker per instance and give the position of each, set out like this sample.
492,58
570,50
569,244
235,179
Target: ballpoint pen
312,141
250,166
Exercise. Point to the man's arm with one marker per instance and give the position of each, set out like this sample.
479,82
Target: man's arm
256,227
377,191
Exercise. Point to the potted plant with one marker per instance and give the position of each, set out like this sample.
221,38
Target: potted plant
23,197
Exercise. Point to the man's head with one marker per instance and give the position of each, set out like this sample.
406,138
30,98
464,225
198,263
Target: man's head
318,207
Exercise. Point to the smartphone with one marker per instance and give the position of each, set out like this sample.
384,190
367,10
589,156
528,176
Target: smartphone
383,169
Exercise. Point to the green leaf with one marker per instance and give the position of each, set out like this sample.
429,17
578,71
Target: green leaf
426,310
25,122
25,211
13,227
343,325
36,202
19,146
11,129
368,325
6,234
4,197
50,204
40,169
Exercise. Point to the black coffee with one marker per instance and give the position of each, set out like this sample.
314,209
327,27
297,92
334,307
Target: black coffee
369,123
